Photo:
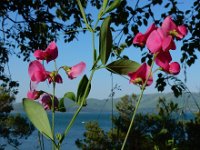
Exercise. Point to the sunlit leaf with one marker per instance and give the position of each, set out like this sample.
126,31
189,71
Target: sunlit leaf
123,66
113,5
70,95
105,3
105,40
38,117
81,95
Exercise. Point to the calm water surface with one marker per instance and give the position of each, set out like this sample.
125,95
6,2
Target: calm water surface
76,131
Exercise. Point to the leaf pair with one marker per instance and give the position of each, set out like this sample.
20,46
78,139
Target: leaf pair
81,95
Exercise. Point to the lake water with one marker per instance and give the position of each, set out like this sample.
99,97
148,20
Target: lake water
62,119
76,131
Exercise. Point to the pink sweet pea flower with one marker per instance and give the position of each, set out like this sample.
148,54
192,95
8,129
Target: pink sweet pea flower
37,72
170,28
140,39
49,54
140,76
54,77
76,70
168,43
33,94
158,42
174,68
46,101
183,30
163,59
154,42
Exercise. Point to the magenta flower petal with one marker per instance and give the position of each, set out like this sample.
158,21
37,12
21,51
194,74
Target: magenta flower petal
183,30
40,55
168,43
139,39
76,70
174,68
168,25
55,78
170,28
46,101
140,76
52,52
37,72
154,42
150,29
33,94
163,59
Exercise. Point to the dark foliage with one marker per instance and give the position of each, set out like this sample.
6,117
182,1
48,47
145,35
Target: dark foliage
12,127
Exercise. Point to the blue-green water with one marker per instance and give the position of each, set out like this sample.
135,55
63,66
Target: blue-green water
76,131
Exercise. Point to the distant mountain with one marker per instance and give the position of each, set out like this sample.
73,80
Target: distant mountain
148,103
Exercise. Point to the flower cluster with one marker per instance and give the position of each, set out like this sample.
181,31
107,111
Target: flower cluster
38,73
159,41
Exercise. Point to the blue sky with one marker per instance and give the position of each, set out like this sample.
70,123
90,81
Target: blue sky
81,50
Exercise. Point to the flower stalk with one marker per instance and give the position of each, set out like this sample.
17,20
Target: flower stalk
138,103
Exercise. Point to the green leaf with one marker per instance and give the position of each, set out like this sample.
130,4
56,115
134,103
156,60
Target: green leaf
105,40
70,95
38,117
61,105
81,90
163,131
113,5
105,3
123,66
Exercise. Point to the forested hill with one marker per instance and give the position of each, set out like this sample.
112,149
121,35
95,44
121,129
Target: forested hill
148,103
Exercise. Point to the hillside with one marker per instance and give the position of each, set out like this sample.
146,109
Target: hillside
148,103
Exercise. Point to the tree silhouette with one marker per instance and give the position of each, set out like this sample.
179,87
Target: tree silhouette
13,127
163,130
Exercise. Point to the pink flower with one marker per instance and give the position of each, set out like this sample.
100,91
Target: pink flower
170,28
154,42
37,71
50,53
183,30
140,39
174,68
46,101
158,42
54,77
33,94
141,75
163,59
75,70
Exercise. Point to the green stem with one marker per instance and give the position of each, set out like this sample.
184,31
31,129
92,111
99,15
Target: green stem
85,93
95,61
39,139
137,104
53,116
42,141
79,109
53,110
83,15
94,50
